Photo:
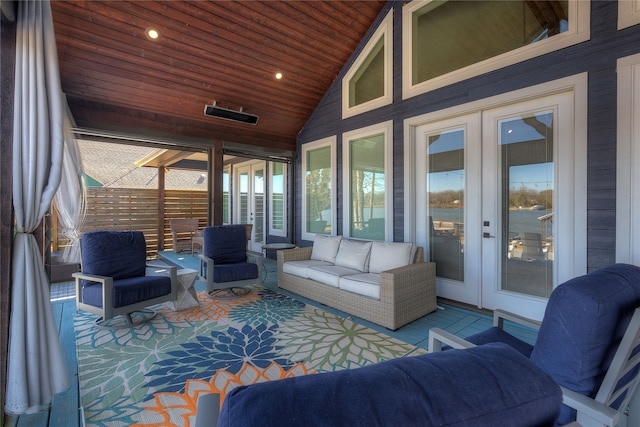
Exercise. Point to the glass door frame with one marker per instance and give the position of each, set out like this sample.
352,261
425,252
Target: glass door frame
255,244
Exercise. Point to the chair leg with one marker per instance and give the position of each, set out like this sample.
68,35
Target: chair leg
230,292
126,321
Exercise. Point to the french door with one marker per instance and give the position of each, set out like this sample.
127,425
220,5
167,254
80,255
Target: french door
447,153
519,203
495,202
249,200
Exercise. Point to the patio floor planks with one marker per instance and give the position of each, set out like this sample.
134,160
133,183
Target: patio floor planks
65,409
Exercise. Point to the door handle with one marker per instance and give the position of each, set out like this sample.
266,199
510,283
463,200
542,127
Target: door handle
487,235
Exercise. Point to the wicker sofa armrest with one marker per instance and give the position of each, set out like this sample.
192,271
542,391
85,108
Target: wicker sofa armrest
296,254
401,283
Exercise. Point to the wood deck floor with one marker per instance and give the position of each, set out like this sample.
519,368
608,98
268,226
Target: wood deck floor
65,412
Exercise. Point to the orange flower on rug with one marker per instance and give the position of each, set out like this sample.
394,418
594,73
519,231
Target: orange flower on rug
179,409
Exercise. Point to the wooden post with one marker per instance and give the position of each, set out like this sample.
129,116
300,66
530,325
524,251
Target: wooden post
161,210
216,165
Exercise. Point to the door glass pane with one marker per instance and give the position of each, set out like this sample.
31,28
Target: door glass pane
445,202
318,182
225,197
527,185
258,205
367,210
243,186
277,196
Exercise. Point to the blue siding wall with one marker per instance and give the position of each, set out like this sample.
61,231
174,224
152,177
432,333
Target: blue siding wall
597,57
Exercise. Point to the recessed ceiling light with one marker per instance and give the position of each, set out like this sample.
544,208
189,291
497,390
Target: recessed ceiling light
278,76
152,33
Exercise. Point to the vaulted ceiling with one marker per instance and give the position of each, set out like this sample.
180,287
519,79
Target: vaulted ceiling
228,52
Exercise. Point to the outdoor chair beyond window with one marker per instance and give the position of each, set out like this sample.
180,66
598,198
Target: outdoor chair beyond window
116,279
224,265
185,234
588,342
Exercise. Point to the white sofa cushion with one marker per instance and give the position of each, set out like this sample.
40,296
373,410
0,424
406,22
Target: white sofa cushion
367,284
329,274
354,254
325,248
301,268
388,255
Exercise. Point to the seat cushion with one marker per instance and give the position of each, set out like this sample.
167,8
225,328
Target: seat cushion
329,274
491,385
128,291
367,284
232,272
584,321
301,268
225,244
117,254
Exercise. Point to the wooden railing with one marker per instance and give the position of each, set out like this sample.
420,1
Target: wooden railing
137,209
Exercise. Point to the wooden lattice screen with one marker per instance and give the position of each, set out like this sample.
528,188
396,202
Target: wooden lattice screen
137,209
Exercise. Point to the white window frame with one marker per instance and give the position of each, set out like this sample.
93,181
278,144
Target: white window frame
578,32
628,157
321,143
385,30
385,128
628,13
285,201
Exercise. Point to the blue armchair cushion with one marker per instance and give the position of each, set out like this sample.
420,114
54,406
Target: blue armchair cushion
232,272
117,254
128,291
585,320
225,244
490,385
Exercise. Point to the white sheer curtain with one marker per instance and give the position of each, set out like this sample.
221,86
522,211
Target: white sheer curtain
36,368
70,198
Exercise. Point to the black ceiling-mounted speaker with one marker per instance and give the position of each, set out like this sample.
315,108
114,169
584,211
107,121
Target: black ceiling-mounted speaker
227,114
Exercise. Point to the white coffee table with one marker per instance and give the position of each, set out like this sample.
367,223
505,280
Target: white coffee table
186,293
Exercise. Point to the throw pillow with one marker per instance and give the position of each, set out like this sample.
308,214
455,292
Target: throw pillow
389,255
325,248
354,254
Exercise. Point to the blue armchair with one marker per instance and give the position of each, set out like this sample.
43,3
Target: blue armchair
490,385
587,342
116,279
224,264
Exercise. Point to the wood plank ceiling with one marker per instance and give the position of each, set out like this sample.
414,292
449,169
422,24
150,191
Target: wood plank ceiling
117,79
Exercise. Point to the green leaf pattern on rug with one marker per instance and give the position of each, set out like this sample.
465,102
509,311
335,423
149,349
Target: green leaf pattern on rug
271,308
326,342
123,371
113,373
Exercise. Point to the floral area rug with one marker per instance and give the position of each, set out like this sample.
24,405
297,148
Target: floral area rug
153,374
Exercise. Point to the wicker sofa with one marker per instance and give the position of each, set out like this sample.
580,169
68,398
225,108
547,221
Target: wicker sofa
387,283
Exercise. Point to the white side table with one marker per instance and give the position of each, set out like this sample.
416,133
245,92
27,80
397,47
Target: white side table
186,292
